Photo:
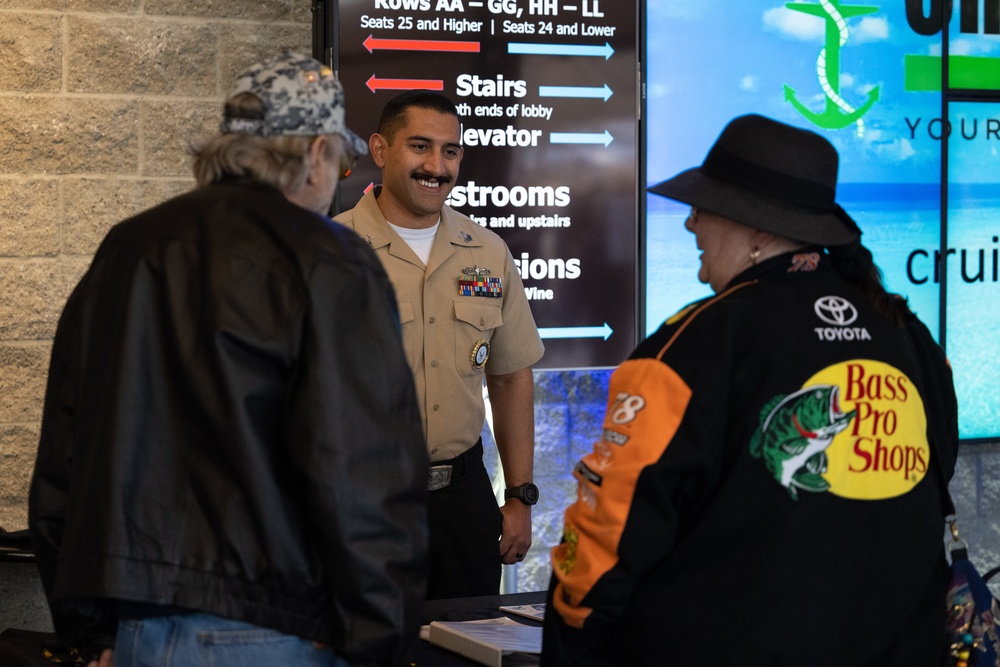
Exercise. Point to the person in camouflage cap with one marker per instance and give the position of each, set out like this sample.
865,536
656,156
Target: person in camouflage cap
227,383
283,118
300,96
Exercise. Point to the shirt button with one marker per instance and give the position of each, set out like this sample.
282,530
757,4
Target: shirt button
434,364
431,320
436,407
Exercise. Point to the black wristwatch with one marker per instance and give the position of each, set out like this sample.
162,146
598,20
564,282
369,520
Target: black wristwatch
527,493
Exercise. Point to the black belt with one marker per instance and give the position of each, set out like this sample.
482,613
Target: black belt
445,472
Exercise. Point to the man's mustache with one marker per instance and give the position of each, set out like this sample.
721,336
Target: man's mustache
424,176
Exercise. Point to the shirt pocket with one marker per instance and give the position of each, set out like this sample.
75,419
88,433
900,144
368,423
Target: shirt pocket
474,324
406,322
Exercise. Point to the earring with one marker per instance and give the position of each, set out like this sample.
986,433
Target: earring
754,255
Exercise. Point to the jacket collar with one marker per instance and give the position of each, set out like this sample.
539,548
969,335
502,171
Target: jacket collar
805,260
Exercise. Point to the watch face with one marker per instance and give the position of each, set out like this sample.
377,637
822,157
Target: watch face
530,493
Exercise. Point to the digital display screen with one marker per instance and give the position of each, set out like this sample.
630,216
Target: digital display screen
973,275
866,76
546,93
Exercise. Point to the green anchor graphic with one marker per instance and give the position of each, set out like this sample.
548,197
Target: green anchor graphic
838,112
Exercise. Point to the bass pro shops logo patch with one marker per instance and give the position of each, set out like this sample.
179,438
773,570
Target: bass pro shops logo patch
856,429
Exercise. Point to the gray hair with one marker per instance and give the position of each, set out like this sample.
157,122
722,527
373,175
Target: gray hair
279,161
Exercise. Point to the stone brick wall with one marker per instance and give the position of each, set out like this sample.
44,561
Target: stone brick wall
98,99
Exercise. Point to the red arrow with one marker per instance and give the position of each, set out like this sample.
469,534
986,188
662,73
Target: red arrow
404,84
419,45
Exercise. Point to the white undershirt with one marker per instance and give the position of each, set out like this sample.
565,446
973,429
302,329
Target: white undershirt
419,240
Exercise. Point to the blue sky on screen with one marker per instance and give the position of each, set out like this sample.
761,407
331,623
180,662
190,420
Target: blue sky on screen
711,60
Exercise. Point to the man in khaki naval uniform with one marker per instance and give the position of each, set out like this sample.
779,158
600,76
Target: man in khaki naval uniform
465,317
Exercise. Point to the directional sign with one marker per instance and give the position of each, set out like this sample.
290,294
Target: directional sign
561,50
575,91
375,83
420,45
547,96
604,138
576,332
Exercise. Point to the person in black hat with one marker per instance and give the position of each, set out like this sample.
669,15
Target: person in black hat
227,385
763,491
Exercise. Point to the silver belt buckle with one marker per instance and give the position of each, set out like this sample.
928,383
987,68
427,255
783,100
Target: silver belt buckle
440,477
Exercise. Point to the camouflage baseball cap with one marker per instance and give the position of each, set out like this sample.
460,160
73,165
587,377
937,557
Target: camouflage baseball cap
301,96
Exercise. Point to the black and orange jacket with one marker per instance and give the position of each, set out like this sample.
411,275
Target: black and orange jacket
762,491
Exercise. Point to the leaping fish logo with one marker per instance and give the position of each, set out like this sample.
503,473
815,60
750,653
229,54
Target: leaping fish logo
795,431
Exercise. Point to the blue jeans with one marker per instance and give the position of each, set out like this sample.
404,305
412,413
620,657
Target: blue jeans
195,640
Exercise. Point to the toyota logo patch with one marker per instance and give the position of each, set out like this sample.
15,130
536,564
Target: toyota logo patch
835,310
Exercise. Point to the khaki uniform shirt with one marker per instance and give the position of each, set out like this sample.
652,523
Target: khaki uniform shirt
447,335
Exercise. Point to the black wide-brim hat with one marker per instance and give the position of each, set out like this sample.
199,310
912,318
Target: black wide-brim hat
769,176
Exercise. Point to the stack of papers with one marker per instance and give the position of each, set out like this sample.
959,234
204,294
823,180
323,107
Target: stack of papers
495,642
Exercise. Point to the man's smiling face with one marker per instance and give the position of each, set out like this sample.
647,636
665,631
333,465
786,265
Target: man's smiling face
419,167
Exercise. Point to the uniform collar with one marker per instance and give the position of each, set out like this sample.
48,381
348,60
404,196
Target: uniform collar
373,227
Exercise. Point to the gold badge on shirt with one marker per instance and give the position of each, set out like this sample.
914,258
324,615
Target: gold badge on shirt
480,353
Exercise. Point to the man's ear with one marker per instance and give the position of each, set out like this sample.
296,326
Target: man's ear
376,146
317,157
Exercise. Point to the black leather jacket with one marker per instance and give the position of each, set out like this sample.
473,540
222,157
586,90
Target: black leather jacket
230,426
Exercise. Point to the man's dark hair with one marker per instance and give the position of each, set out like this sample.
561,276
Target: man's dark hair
394,112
